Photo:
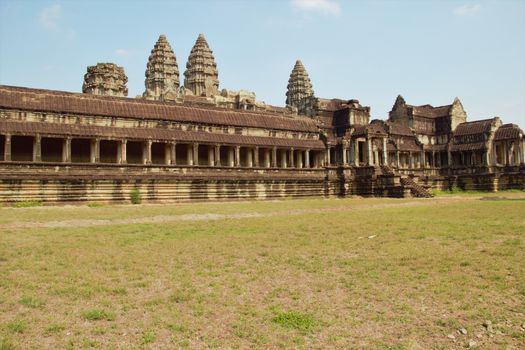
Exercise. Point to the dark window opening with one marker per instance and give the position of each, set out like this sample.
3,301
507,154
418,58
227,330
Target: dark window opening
134,153
80,150
108,151
51,149
158,153
22,148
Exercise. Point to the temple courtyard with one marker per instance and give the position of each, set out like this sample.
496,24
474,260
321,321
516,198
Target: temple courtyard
440,273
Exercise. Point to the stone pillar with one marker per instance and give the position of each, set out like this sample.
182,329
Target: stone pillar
7,148
356,153
95,151
266,158
123,151
449,156
238,156
167,153
211,155
299,160
37,148
370,160
189,154
249,157
256,156
422,159
328,156
283,159
66,150
274,157
173,153
345,160
217,155
147,152
307,158
522,151
291,162
231,157
195,154
385,152
397,159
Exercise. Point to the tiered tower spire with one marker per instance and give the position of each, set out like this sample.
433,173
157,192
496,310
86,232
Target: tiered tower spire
201,76
162,72
299,85
105,79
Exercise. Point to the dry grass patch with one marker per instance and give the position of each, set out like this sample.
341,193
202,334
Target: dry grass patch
359,273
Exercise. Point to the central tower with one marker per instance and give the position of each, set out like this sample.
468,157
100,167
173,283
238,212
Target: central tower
201,76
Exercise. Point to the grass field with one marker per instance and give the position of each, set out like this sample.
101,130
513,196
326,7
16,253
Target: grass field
336,273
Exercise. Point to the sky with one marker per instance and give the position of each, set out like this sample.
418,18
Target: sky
427,51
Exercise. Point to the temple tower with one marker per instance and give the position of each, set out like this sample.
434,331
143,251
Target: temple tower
106,79
201,76
299,85
162,72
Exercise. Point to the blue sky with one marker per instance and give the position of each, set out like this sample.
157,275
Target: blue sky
428,51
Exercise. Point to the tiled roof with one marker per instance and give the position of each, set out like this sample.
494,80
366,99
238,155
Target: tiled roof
398,129
370,129
161,134
475,146
84,104
430,111
409,145
477,127
508,131
436,148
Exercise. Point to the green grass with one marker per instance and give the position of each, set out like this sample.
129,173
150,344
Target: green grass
337,273
27,204
458,191
98,314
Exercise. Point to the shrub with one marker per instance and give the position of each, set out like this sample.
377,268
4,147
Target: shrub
18,326
31,302
136,198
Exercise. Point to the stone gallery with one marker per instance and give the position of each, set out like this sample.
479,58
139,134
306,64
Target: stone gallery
194,141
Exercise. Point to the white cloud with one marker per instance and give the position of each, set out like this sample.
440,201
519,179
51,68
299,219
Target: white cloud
467,10
50,16
329,7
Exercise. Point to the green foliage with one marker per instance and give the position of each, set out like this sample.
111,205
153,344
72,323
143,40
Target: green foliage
31,302
295,320
98,314
17,326
5,344
54,328
27,204
136,197
95,205
148,337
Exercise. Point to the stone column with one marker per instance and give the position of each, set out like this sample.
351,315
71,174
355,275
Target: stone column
196,154
266,158
522,151
356,153
249,157
397,159
307,158
449,156
66,150
291,162
211,155
422,159
95,151
274,157
147,152
7,148
189,154
328,156
217,155
231,157
256,156
37,148
124,151
385,152
167,153
299,159
238,156
370,160
173,153
283,158
345,160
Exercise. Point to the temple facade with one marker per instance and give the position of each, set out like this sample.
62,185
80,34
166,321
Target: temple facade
193,141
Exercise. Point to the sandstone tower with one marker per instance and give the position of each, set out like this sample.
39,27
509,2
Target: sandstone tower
162,72
201,76
105,79
299,85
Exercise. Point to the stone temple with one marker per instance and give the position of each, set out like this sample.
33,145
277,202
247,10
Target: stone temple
186,138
